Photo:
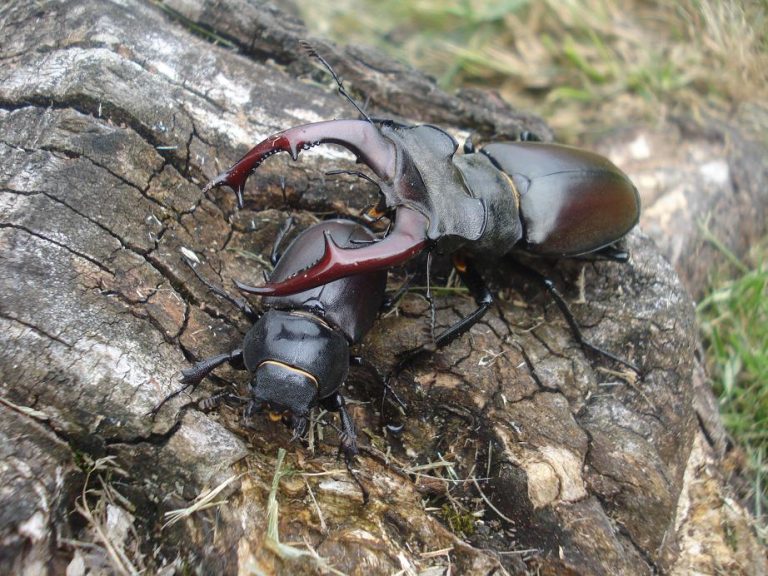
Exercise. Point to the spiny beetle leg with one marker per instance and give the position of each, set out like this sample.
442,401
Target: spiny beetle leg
408,238
215,401
191,377
360,137
479,291
565,310
483,298
388,390
194,375
347,436
430,300
391,300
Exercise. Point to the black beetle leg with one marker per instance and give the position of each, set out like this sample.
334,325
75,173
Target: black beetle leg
239,303
191,377
480,292
347,436
483,298
391,300
430,299
565,310
216,400
388,390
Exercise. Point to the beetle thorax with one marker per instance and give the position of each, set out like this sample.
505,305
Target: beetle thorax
303,343
428,181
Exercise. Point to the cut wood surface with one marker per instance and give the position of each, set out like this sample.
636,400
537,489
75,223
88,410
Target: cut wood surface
519,451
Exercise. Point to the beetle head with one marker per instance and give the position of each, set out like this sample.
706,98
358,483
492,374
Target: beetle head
284,393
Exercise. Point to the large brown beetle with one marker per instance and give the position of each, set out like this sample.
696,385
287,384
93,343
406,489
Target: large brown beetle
541,198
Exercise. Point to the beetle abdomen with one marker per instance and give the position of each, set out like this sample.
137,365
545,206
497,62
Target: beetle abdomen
571,201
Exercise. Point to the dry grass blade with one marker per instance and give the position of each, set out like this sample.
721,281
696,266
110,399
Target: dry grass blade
323,525
272,505
96,517
203,501
430,466
436,553
272,541
26,410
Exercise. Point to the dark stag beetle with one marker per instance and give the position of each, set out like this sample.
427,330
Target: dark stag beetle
540,198
297,351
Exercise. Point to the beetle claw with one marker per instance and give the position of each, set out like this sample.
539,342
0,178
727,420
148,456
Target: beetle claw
360,137
408,237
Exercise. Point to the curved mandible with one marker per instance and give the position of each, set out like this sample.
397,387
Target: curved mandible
361,137
408,237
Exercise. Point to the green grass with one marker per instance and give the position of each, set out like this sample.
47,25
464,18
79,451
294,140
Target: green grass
583,64
733,320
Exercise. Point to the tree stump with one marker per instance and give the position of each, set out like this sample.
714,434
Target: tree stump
519,452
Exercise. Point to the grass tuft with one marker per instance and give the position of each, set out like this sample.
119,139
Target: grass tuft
582,64
734,324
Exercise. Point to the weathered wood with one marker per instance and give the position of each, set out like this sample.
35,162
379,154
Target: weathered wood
111,117
700,183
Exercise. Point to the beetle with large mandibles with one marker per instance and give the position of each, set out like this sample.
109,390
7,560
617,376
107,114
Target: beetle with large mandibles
297,351
540,198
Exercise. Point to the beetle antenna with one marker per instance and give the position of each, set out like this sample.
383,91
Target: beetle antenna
310,51
357,173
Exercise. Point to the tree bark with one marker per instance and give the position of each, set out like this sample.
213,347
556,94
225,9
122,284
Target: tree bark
534,456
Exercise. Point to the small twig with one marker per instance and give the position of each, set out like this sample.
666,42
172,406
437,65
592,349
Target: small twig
517,552
450,480
490,357
487,501
581,285
26,410
430,466
436,553
490,458
327,473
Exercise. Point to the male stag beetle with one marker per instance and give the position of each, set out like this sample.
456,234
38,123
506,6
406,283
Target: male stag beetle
297,351
540,198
